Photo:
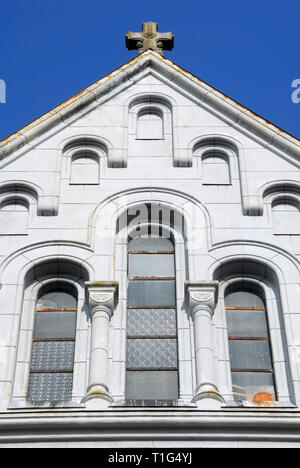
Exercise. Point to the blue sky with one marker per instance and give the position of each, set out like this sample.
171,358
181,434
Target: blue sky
51,49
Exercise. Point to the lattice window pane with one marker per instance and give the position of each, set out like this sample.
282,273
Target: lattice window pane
250,354
55,324
152,385
247,323
243,299
151,322
151,244
151,293
151,353
52,355
151,265
57,300
50,387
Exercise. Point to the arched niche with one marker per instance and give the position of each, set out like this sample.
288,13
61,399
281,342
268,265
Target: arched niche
85,168
286,215
150,119
14,215
282,202
215,168
150,124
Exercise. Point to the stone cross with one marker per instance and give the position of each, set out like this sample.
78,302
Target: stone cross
150,38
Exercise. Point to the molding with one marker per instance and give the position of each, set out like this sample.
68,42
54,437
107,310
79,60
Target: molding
188,426
240,117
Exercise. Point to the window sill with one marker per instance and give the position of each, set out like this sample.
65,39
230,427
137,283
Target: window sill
262,405
15,404
152,404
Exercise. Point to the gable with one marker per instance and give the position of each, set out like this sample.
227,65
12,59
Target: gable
124,77
150,124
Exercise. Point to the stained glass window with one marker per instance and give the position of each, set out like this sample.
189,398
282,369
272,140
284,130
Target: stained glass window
249,347
52,358
152,354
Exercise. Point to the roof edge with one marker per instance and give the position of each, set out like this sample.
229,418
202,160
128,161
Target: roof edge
241,115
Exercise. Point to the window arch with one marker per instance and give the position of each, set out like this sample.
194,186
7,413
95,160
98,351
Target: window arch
251,359
52,357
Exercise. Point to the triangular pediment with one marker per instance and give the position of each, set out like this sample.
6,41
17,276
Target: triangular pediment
151,65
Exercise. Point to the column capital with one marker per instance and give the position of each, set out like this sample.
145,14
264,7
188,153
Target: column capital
202,295
102,295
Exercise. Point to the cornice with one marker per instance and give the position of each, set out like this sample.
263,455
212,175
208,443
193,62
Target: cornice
240,117
186,425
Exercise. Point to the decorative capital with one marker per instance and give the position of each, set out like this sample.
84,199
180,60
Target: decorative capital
102,295
202,295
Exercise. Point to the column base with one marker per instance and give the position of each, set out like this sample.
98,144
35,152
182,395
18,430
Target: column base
209,400
97,398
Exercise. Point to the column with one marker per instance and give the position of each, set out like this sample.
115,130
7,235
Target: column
102,297
202,299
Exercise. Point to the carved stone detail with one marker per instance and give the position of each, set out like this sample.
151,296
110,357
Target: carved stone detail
101,297
149,38
102,293
202,294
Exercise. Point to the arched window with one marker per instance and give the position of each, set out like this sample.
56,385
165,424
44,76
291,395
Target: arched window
152,358
215,169
251,361
286,216
85,169
14,217
150,125
52,359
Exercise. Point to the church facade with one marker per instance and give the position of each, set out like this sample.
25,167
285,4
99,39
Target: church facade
149,268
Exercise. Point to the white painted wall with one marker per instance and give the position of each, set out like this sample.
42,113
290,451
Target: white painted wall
69,220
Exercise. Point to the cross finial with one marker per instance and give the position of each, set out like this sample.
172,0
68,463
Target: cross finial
150,38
